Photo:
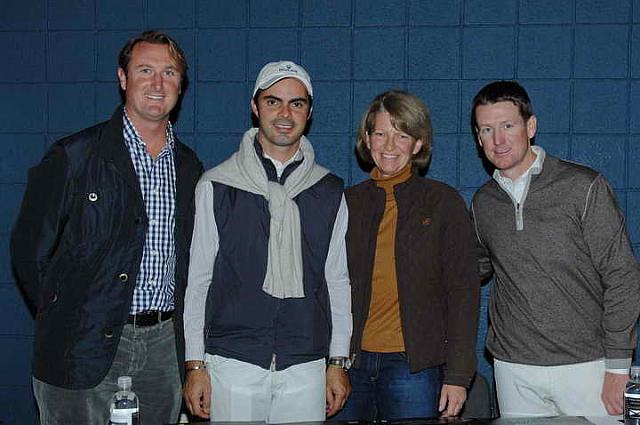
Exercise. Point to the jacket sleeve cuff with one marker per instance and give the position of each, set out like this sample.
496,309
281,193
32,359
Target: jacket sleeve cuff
459,379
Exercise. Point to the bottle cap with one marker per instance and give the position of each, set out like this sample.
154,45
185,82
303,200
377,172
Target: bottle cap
124,382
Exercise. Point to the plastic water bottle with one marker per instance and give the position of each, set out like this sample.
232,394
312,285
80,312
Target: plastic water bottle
632,398
124,404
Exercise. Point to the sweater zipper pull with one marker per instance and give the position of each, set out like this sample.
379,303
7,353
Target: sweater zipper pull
519,218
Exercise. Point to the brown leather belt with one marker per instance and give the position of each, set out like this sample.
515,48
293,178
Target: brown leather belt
149,318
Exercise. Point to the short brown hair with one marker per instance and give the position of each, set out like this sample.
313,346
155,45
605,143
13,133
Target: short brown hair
408,114
154,37
502,91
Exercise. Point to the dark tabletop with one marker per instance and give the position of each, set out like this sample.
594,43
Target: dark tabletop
559,420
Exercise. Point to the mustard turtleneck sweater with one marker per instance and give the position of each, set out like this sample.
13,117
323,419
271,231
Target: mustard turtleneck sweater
383,329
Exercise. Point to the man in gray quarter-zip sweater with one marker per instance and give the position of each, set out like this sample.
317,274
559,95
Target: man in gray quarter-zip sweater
566,296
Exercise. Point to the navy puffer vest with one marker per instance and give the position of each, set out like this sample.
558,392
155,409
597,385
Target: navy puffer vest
242,321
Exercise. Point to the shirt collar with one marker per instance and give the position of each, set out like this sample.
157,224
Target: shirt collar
534,169
280,166
131,133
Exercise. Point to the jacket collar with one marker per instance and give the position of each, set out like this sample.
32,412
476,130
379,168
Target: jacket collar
111,146
113,149
187,170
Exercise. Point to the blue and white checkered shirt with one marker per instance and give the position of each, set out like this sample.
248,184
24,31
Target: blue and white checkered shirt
156,280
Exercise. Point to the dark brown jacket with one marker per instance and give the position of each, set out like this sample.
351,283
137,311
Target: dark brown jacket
438,282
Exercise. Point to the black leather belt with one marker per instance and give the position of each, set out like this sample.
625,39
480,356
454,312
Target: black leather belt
149,318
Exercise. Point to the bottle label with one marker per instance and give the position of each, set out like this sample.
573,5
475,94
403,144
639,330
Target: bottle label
124,417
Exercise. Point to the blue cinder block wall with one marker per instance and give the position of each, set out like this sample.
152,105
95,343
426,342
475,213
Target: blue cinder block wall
579,59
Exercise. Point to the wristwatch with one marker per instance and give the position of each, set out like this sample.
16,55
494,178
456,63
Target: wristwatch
343,362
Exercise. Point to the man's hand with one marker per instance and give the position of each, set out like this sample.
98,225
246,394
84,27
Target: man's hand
452,398
613,392
197,391
338,389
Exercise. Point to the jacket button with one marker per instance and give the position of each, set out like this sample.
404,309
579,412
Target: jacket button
138,220
108,333
93,197
123,277
53,298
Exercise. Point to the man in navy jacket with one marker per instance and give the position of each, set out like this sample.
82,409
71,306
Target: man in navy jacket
100,249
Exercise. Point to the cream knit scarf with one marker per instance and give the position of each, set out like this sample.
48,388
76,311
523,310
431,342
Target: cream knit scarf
244,170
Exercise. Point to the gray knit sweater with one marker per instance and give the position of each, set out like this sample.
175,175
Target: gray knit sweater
567,286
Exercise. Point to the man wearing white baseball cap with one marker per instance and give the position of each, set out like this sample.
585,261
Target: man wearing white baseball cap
268,299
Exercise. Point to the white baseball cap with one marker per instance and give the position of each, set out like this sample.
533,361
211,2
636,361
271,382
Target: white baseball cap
273,72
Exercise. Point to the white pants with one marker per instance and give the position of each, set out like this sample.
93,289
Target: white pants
245,392
573,390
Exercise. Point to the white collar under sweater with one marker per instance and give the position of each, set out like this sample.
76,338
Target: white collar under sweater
519,187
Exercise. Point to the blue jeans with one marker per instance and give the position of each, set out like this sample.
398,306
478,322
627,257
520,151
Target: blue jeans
383,388
148,355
